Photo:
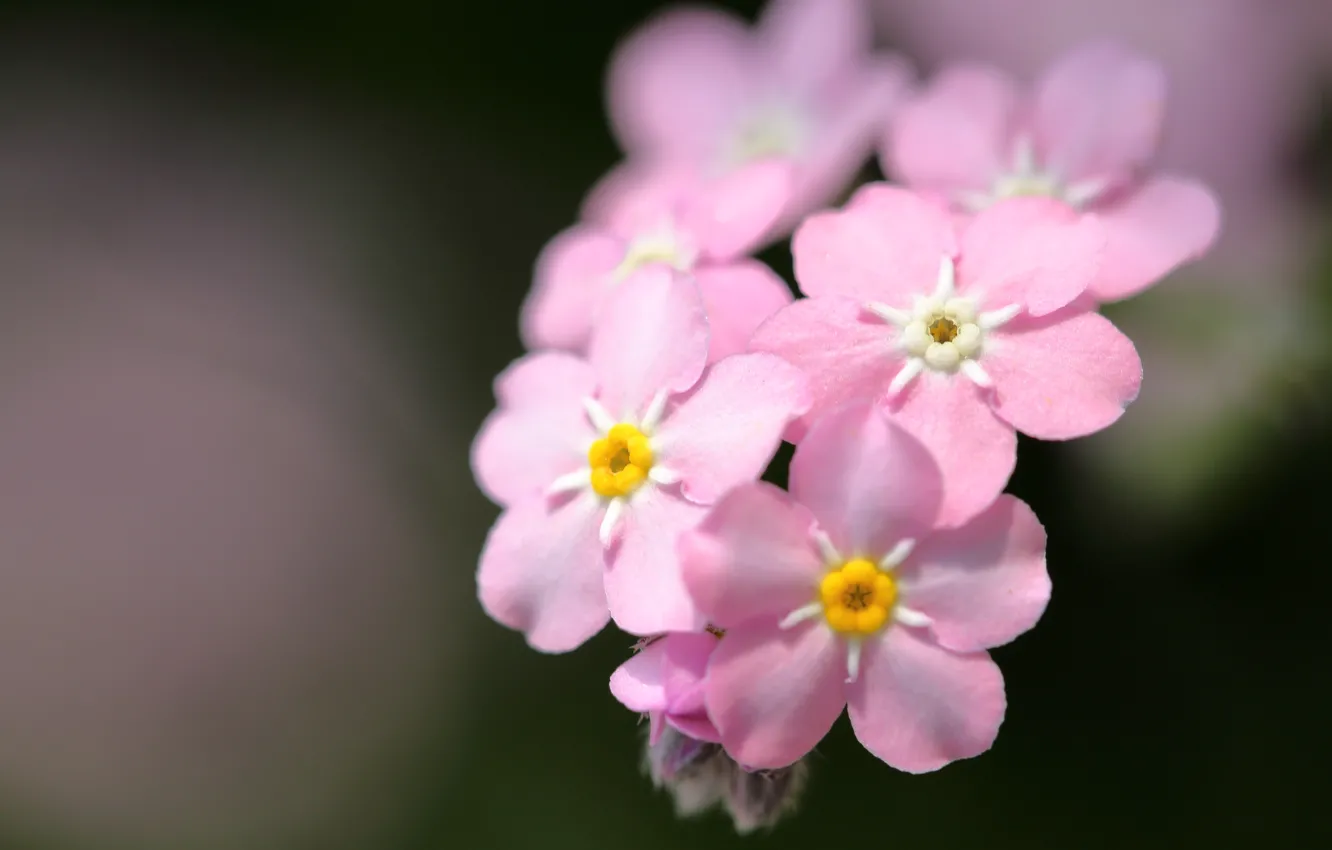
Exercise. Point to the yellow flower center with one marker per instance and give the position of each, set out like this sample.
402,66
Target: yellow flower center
943,329
620,461
857,597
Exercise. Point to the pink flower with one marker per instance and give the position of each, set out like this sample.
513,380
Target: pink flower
702,88
1084,136
663,216
665,681
843,593
602,462
965,335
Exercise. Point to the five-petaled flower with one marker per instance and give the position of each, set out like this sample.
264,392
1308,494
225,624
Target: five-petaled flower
1085,137
844,593
601,464
964,336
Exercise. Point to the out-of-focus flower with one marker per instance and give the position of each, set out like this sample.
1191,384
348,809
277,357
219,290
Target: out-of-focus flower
602,462
1085,136
701,88
664,215
664,680
843,593
965,337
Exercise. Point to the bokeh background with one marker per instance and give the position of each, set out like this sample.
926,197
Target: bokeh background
258,266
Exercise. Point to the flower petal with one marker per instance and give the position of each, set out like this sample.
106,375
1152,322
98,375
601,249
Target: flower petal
639,683
572,281
919,706
975,450
726,432
884,245
869,483
1152,231
847,353
732,215
1036,252
751,556
643,583
652,337
810,45
983,584
683,668
539,432
1067,375
675,84
541,573
955,135
738,298
774,693
1099,111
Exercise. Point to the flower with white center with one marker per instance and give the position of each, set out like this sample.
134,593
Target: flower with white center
601,462
844,593
802,86
1084,136
965,335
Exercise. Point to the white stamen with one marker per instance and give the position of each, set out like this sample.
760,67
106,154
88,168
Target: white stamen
942,355
943,290
655,408
916,338
908,372
899,553
977,374
800,615
968,339
663,476
901,318
831,556
611,521
569,482
1083,192
960,310
852,660
1024,156
926,307
991,319
910,617
601,418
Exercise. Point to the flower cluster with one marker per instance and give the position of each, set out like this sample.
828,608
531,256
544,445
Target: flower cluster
942,314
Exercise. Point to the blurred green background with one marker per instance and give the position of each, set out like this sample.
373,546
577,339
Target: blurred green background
1173,696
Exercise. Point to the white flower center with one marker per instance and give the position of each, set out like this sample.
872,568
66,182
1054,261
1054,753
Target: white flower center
942,332
1027,177
660,243
778,129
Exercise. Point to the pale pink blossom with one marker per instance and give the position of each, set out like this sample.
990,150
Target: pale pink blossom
1085,135
845,593
966,333
664,680
660,215
602,462
803,85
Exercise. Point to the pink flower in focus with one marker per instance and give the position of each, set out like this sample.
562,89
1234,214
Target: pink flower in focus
664,216
843,593
1085,136
665,681
965,335
701,88
602,462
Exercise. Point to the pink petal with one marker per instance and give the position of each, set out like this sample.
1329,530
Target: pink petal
1151,232
697,726
869,483
775,693
727,430
675,84
983,584
975,450
643,583
954,136
653,337
1098,112
732,215
751,556
541,573
684,667
885,245
572,281
539,432
918,706
639,683
1067,375
846,353
1036,252
738,298
636,194
810,43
